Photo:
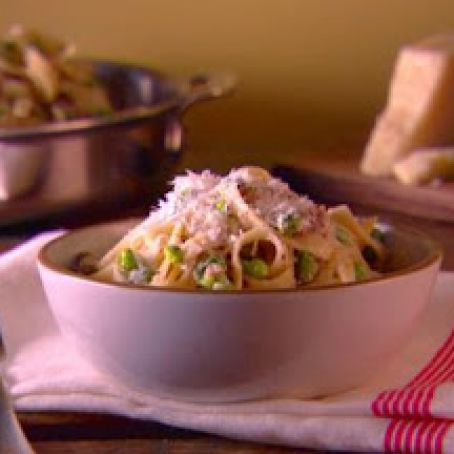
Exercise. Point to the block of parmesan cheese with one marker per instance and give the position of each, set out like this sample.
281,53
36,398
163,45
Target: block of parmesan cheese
419,112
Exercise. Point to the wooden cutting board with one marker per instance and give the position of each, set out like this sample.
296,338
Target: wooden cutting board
335,178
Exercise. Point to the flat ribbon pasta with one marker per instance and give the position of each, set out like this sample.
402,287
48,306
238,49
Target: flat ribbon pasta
246,230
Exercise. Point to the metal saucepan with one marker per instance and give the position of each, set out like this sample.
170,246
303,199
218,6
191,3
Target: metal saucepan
57,165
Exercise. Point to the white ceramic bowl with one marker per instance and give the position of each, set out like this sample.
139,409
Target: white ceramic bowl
226,346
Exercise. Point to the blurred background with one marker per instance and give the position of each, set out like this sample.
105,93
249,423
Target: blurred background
313,74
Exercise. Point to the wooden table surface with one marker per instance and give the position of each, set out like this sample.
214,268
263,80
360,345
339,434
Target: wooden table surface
54,432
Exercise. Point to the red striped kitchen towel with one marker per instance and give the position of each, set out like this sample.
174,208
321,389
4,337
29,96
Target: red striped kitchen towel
407,408
415,426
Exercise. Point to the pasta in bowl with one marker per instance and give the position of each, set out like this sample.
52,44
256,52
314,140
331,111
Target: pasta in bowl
246,230
152,315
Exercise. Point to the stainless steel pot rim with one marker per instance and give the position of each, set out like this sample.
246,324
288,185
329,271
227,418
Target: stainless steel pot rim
181,95
123,117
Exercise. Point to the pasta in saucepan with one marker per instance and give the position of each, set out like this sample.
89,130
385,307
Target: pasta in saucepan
246,230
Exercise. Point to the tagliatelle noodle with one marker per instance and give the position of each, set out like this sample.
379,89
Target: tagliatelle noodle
245,216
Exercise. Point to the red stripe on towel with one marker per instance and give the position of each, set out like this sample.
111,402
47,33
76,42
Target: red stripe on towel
420,434
427,438
411,434
415,436
407,407
414,399
390,434
443,355
430,437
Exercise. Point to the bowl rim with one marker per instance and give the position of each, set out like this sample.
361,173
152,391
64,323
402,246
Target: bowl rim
435,255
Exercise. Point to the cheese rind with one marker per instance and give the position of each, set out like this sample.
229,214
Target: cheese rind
420,107
426,165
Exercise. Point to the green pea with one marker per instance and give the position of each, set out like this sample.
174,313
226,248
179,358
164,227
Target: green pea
221,206
223,284
215,282
290,224
361,272
202,265
306,267
148,273
173,253
206,282
126,260
343,236
256,268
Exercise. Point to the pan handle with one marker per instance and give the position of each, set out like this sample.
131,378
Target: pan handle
205,86
197,88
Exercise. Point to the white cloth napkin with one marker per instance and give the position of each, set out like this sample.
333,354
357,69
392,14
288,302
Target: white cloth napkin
408,408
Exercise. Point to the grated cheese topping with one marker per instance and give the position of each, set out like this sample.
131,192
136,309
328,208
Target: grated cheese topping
201,203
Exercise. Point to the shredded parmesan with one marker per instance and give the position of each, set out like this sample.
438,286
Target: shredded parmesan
200,201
